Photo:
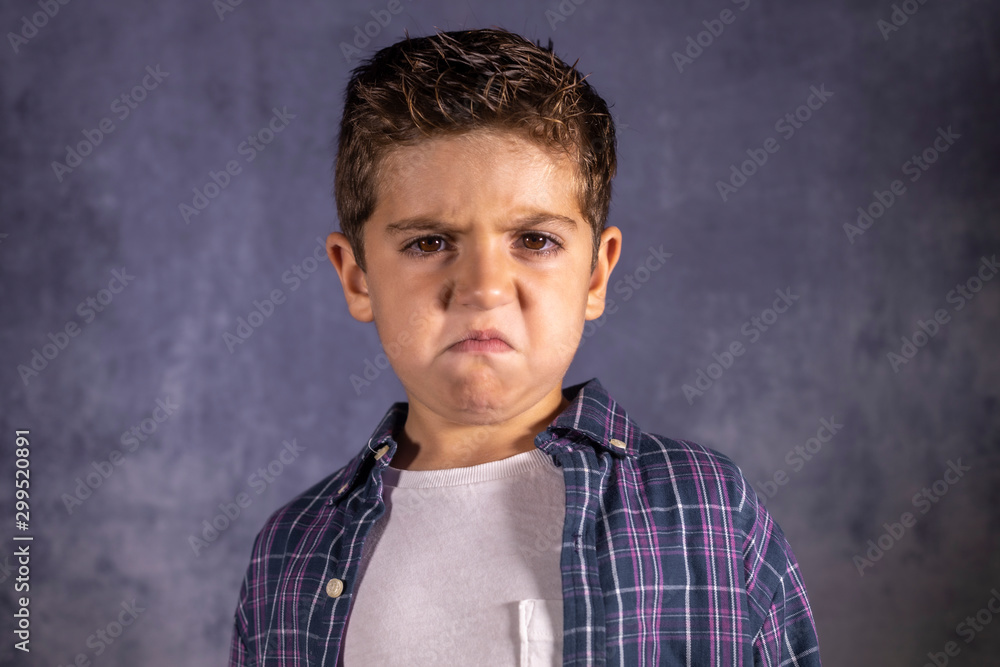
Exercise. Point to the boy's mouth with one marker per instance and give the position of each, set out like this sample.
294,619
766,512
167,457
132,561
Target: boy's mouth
482,340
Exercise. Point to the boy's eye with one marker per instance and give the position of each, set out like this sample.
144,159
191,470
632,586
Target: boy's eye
532,241
535,239
535,242
429,243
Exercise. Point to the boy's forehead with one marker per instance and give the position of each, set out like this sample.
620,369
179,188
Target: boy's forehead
452,177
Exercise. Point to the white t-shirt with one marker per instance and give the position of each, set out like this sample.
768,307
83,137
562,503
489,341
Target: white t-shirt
463,568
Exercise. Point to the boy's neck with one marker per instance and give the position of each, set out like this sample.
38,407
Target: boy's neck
429,442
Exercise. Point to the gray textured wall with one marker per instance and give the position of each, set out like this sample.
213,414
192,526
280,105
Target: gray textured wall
682,125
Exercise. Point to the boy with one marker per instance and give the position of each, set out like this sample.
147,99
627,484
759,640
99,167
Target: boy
497,518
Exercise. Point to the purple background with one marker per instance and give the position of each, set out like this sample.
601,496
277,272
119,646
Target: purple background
162,337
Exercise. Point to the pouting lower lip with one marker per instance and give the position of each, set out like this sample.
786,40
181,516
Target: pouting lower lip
481,345
484,334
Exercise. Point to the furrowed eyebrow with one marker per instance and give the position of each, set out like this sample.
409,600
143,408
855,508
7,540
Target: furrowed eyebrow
422,223
417,223
552,219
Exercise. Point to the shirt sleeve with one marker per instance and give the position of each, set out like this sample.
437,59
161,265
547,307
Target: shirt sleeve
788,633
239,654
778,601
243,644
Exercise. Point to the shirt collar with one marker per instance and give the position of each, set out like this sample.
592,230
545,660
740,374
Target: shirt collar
591,419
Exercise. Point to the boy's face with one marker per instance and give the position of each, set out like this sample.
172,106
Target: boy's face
481,231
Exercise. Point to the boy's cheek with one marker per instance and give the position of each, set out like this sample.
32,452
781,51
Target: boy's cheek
418,319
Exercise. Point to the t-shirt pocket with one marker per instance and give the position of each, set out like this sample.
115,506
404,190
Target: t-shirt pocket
540,625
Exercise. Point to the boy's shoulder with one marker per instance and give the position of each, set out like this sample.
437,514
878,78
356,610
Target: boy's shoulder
685,463
670,470
685,457
687,475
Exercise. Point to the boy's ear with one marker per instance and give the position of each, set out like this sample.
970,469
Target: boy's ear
607,256
352,278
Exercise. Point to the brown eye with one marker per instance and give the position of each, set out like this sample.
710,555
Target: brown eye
431,240
533,239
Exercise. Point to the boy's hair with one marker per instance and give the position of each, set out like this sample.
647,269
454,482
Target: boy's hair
451,83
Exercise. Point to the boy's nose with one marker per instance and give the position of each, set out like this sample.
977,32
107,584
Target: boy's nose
483,279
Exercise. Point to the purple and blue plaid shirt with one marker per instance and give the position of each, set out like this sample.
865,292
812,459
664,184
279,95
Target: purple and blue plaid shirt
668,557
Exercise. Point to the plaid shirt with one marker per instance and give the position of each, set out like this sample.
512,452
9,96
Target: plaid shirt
668,557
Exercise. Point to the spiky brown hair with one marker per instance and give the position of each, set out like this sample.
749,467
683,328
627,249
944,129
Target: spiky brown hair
451,83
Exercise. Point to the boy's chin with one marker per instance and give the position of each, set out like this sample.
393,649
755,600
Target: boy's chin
460,388
483,390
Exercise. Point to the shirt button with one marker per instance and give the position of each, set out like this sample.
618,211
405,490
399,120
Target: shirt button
381,451
618,443
334,587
